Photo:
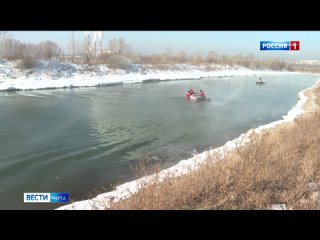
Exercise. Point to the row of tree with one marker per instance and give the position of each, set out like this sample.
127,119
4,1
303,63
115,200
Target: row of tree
212,57
121,47
13,49
122,52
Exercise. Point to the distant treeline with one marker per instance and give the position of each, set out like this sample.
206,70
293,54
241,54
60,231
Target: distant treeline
121,55
28,53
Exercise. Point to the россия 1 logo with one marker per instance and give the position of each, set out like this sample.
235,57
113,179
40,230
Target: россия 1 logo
54,197
282,46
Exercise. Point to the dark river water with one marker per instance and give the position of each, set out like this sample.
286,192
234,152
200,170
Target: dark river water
83,140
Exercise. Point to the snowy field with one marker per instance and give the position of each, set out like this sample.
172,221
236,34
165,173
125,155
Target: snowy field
54,74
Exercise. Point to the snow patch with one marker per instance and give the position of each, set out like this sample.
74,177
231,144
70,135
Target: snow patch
280,207
54,74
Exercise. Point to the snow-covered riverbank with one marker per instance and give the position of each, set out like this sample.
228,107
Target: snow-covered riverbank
53,74
123,191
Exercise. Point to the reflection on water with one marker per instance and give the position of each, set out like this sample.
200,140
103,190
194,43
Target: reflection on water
79,140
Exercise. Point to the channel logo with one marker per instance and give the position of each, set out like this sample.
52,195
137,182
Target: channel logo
55,197
280,46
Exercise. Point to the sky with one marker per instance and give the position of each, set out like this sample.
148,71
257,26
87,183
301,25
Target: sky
222,42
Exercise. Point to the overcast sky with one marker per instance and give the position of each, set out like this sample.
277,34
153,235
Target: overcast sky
223,42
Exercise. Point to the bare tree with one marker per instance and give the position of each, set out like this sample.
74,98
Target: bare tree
167,55
224,59
78,49
3,37
120,62
11,49
84,48
197,58
114,47
49,49
72,46
212,57
30,53
128,50
181,56
238,59
122,46
87,46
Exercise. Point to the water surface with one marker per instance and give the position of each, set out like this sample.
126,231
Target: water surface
82,140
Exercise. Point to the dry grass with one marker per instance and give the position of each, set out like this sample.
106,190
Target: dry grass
277,166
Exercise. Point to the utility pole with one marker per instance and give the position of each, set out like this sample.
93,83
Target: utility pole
95,44
88,50
101,36
98,37
87,34
72,46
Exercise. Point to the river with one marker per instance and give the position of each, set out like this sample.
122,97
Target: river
83,140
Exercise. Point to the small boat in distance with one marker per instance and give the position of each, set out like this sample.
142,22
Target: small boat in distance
197,97
260,81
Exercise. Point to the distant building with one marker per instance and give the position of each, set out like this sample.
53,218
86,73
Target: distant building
103,51
310,62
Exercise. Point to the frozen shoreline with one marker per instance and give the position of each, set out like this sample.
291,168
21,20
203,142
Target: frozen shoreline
55,75
123,191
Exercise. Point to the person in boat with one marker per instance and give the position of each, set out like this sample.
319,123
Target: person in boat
202,95
260,79
188,94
